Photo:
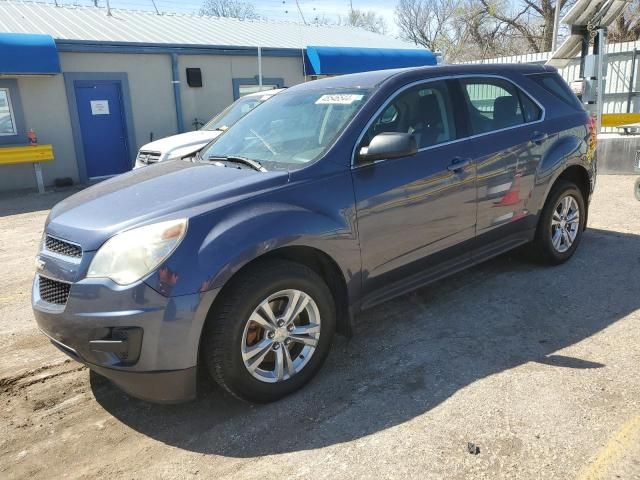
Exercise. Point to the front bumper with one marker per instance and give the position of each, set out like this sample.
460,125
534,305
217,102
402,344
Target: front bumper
146,343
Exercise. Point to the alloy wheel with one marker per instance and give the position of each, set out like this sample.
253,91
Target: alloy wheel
280,336
565,223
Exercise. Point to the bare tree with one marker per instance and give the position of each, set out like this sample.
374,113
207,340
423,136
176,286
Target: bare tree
230,9
529,20
626,27
430,23
366,19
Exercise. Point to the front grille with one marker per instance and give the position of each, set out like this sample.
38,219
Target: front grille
52,291
61,247
148,157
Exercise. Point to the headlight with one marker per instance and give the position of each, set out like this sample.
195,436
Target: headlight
127,257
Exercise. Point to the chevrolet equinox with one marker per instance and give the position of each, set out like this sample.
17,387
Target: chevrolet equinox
334,196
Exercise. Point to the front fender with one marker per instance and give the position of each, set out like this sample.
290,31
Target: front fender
245,236
318,214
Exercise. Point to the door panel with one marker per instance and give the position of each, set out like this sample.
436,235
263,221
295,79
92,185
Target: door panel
102,127
411,209
508,144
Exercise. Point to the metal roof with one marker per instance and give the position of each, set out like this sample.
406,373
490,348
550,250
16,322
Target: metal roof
91,24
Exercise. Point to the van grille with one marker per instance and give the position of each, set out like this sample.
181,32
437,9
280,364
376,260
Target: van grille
61,247
52,291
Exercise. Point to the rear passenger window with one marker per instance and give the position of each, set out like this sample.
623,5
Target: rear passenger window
554,84
495,104
425,111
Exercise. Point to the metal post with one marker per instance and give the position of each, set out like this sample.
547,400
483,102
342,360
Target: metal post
108,9
38,169
556,25
176,91
600,47
260,68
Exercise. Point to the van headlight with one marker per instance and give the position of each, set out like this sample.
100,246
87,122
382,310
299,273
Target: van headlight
127,257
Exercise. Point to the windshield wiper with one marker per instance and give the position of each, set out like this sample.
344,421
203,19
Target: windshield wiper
256,165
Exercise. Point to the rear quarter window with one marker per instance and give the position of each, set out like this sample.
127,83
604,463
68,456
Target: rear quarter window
556,86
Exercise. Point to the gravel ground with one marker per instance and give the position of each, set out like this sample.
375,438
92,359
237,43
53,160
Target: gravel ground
538,367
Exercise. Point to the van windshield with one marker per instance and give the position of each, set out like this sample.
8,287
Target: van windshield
235,112
292,129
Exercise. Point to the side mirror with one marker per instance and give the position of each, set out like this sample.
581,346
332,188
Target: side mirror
389,145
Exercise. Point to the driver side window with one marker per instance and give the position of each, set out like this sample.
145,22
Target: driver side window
424,111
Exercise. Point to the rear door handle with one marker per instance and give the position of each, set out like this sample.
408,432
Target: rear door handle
458,164
539,138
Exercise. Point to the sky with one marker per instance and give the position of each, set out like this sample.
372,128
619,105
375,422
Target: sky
285,10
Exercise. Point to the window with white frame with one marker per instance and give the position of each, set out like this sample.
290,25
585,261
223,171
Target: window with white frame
7,119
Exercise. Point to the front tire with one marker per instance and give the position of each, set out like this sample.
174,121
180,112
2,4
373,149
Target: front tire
270,331
561,224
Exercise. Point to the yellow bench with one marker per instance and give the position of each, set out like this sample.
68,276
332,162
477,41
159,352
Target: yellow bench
35,154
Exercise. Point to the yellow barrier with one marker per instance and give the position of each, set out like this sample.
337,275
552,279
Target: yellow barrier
619,119
34,154
25,154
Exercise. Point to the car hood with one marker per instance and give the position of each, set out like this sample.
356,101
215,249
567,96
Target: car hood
195,139
166,190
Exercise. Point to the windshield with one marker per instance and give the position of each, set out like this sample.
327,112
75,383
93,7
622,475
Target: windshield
235,112
292,129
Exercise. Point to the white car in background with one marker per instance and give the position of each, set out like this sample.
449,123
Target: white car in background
186,144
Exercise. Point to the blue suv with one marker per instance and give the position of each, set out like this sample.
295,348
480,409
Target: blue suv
334,196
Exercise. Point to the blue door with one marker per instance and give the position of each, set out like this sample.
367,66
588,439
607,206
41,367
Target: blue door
103,128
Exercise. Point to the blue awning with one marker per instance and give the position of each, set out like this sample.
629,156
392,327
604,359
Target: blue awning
27,54
341,60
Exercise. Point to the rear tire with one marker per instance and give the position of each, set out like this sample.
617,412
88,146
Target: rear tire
256,348
560,226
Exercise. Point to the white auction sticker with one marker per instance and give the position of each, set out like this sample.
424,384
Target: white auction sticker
339,99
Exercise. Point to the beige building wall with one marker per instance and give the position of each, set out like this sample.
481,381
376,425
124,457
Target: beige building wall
44,104
150,87
46,109
218,73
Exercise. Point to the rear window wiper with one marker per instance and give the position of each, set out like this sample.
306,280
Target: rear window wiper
256,165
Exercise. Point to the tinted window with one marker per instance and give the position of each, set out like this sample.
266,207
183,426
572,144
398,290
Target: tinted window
425,111
530,109
555,85
495,104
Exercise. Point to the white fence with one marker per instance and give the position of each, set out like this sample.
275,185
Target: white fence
619,75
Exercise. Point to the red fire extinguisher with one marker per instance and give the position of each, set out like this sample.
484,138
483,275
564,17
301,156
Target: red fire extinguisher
33,138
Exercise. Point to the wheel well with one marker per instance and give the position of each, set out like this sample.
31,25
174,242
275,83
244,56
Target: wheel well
325,267
578,175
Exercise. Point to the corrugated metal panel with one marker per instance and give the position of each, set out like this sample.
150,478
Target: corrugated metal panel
93,24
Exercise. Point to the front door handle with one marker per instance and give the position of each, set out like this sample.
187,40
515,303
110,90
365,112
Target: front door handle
539,138
457,165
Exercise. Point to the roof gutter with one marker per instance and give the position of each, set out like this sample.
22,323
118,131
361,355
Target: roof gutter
95,46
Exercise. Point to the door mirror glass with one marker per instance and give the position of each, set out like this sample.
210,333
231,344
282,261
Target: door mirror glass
389,145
